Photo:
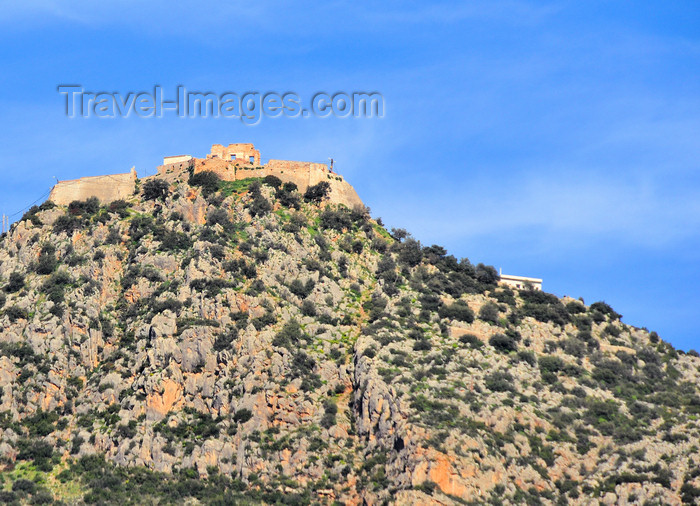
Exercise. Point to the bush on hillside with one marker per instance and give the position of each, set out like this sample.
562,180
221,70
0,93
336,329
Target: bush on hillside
410,252
500,381
67,223
503,343
457,311
302,290
487,274
85,208
605,309
54,286
119,207
15,283
273,181
316,193
575,307
207,180
336,219
47,262
489,312
31,215
288,196
156,189
242,415
289,336
471,340
15,313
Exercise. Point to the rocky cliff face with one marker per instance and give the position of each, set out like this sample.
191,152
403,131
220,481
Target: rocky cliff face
236,342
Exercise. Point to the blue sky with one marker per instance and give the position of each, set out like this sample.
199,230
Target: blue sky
552,139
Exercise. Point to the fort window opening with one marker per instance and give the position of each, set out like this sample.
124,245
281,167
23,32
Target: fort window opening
252,159
233,157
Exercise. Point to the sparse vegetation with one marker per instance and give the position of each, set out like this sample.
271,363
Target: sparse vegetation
156,189
262,348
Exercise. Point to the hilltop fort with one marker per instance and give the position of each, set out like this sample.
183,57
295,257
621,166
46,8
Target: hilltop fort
231,163
106,188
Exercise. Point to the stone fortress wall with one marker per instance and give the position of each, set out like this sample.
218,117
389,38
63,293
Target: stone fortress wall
106,188
241,153
232,163
241,161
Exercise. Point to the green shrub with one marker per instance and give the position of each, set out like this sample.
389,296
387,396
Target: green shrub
575,307
302,290
410,252
208,181
212,286
487,274
15,313
500,381
220,216
503,343
85,208
610,373
612,330
471,340
330,409
575,347
489,312
550,366
336,219
422,344
47,262
156,189
316,193
288,196
240,267
308,308
173,305
597,316
67,223
119,207
31,215
605,309
690,493
289,336
273,181
54,287
41,423
15,283
223,341
37,451
75,382
528,357
174,241
504,296
23,485
459,310
259,206
303,367
554,312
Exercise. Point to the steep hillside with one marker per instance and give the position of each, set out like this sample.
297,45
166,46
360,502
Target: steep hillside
235,342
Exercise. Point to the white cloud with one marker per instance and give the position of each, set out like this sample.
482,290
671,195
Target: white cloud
555,215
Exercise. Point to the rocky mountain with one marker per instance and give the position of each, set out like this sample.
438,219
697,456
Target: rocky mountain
241,343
